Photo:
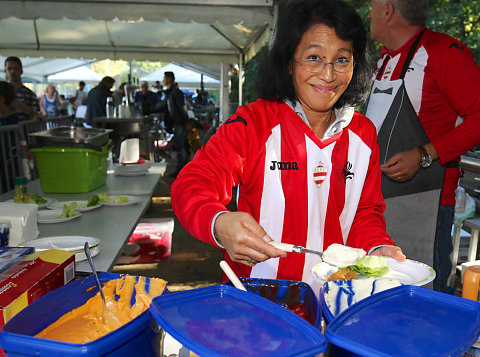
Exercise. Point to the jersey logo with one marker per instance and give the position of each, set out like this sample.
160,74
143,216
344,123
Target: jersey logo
456,45
347,174
236,120
284,165
320,174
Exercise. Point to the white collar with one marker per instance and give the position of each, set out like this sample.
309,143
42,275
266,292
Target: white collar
343,117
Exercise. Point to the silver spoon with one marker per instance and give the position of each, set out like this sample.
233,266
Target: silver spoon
107,314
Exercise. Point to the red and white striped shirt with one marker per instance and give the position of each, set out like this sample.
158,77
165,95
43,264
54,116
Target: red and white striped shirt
443,84
267,150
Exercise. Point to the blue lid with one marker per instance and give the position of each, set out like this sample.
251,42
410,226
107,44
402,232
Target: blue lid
407,321
224,321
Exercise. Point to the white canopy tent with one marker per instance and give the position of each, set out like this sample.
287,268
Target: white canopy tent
76,74
208,34
186,78
40,68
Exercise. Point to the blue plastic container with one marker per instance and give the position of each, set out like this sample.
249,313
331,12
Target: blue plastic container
221,320
140,337
288,293
407,321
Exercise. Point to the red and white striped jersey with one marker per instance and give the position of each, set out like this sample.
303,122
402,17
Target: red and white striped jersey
301,189
443,84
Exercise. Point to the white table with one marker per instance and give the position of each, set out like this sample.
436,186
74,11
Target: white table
113,226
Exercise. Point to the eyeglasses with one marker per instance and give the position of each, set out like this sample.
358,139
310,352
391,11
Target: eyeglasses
316,65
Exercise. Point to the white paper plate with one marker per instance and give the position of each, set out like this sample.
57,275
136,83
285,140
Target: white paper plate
131,173
72,244
59,205
44,205
132,200
409,272
51,216
130,168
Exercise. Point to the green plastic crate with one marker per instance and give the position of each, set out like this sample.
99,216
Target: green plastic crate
70,169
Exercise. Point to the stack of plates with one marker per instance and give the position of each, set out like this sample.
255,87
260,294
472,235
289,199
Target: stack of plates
72,244
133,169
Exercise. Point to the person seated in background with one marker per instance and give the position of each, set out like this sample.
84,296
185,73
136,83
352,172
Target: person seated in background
63,105
26,102
145,100
50,102
8,116
304,162
193,136
71,107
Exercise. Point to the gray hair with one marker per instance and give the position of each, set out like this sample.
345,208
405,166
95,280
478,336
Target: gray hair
414,11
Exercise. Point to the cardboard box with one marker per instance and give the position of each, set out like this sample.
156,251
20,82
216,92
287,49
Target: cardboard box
36,275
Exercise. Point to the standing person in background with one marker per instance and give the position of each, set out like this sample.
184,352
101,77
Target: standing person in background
175,118
97,99
118,95
305,164
425,104
145,100
26,102
80,95
8,116
50,102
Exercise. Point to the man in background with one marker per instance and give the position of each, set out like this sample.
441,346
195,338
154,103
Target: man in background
97,99
430,81
145,100
26,102
118,95
80,95
175,118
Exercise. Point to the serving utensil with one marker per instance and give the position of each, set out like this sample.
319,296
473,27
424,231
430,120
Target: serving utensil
108,315
231,275
295,248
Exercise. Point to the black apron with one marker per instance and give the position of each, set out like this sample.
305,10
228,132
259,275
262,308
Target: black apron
412,206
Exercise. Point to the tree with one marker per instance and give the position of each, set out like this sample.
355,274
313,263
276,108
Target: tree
457,18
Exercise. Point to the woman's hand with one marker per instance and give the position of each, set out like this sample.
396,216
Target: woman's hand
244,239
390,251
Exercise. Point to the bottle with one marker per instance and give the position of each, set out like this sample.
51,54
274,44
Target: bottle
4,232
471,280
109,107
21,192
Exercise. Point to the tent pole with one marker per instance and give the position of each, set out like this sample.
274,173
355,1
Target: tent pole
224,91
240,78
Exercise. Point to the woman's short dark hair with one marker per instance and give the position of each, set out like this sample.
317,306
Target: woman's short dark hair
296,18
7,91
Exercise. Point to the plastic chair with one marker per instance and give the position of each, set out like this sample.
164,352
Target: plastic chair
12,155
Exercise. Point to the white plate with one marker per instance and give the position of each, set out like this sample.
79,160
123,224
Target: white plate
130,168
409,272
131,173
44,205
51,216
72,244
132,200
59,205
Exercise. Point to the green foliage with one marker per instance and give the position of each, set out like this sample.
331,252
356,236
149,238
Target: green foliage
457,18
250,83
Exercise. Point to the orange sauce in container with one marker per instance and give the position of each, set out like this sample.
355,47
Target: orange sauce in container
87,323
